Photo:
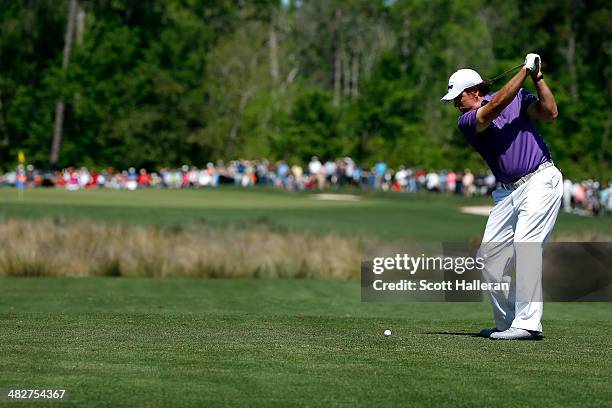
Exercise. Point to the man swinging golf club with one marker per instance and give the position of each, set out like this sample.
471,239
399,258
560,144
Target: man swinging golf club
500,127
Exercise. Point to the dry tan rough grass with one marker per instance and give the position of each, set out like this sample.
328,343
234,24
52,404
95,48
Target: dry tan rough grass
86,248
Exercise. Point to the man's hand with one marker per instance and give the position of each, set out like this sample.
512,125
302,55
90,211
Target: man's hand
533,63
545,108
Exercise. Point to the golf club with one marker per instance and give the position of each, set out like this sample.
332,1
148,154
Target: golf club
510,70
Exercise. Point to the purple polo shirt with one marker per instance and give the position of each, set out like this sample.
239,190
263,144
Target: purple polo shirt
511,145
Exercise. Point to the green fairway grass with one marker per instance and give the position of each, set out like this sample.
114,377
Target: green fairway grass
144,342
386,216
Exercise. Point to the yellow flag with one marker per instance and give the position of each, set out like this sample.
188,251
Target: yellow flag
21,157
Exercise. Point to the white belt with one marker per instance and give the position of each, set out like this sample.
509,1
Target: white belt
516,184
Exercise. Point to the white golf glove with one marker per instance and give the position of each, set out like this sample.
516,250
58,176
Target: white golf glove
532,61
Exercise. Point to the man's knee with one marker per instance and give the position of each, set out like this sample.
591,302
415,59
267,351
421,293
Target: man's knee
496,262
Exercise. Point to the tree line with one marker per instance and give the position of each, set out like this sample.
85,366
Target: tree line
162,83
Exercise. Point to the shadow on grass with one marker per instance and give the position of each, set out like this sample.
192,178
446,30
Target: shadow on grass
455,334
538,338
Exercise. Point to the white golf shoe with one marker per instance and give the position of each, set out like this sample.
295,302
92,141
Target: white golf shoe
488,332
515,333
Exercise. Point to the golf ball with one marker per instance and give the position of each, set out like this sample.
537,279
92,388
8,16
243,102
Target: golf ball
387,333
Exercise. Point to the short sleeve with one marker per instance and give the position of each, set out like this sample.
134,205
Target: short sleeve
526,99
467,126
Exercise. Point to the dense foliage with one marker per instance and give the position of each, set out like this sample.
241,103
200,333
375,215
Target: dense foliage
162,83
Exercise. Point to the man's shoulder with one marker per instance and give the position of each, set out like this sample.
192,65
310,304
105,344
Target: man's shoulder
467,119
467,125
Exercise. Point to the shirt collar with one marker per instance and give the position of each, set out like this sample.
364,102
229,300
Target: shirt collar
486,99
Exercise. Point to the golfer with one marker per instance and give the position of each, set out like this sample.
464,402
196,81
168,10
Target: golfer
500,127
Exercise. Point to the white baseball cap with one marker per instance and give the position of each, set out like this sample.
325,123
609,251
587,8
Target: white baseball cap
459,82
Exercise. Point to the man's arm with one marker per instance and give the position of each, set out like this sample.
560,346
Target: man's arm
545,108
486,114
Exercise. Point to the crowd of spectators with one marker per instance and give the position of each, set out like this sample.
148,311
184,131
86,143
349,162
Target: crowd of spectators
584,198
587,197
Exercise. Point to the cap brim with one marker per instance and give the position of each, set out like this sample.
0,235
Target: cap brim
451,95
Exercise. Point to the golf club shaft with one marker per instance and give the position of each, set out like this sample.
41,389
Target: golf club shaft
506,72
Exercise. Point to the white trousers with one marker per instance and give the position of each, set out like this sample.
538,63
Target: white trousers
517,230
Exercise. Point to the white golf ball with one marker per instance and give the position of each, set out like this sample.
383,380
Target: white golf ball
387,333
